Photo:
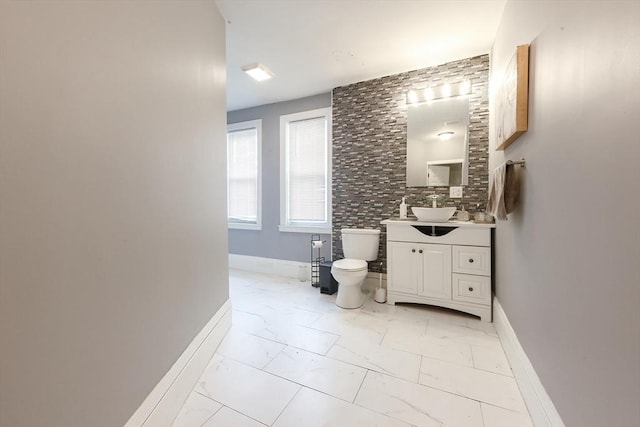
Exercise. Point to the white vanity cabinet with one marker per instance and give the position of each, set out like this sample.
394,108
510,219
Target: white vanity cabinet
442,264
420,269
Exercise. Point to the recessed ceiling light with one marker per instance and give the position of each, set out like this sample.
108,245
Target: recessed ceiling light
258,71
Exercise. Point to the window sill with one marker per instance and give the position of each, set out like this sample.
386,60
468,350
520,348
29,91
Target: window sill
242,226
304,229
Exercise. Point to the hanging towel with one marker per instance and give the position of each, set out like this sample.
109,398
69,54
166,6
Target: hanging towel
495,204
511,188
503,191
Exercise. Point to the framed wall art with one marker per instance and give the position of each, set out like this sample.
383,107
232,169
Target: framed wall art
511,100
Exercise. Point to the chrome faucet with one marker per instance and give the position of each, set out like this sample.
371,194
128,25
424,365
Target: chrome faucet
434,198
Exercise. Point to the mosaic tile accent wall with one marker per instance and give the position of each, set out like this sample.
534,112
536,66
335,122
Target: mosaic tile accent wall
370,148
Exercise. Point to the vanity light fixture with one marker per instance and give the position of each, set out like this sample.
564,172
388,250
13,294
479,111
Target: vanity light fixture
428,94
438,92
412,96
258,71
446,90
465,87
445,135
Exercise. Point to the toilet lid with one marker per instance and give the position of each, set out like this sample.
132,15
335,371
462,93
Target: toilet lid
350,264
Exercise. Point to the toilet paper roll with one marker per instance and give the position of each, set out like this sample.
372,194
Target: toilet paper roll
316,244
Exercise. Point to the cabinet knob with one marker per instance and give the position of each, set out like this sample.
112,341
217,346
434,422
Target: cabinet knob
470,260
413,250
470,289
420,251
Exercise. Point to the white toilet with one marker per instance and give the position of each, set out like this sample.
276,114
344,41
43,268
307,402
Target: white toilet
359,245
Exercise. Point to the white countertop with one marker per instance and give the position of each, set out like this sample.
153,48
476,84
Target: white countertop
450,223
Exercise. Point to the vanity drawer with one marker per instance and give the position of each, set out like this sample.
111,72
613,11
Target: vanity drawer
470,288
472,260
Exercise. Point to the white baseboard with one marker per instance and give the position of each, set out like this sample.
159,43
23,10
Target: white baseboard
543,412
281,267
278,267
164,402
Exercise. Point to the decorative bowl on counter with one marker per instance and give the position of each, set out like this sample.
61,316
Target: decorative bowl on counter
483,218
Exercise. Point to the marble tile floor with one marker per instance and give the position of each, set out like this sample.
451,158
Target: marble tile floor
294,359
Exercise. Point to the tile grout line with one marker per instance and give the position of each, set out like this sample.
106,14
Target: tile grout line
290,345
244,415
398,419
383,336
214,414
286,406
447,392
373,410
360,388
482,415
310,387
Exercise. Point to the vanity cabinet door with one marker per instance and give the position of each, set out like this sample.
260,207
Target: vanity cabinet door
405,267
436,271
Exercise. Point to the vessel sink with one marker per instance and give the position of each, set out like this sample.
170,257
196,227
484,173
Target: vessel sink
433,214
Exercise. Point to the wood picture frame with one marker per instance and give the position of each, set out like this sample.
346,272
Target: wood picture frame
512,99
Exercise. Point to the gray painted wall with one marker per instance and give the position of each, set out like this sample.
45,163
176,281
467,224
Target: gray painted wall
568,260
370,147
113,241
270,242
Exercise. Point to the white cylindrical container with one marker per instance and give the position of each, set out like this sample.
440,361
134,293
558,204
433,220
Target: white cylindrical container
302,273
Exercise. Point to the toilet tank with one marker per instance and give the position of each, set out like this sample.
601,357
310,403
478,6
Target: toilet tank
360,243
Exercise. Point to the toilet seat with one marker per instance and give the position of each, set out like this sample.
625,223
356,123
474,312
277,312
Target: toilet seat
351,264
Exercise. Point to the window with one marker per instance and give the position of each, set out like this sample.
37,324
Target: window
305,164
244,196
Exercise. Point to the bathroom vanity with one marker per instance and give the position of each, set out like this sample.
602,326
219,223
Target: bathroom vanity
447,264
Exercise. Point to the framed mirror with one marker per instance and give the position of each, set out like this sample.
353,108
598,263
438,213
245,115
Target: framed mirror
437,143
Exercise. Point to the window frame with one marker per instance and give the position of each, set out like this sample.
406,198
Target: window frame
302,227
238,224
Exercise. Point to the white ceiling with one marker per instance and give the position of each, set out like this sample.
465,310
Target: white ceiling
313,46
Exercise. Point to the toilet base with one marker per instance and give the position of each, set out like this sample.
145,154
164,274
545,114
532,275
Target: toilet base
349,296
